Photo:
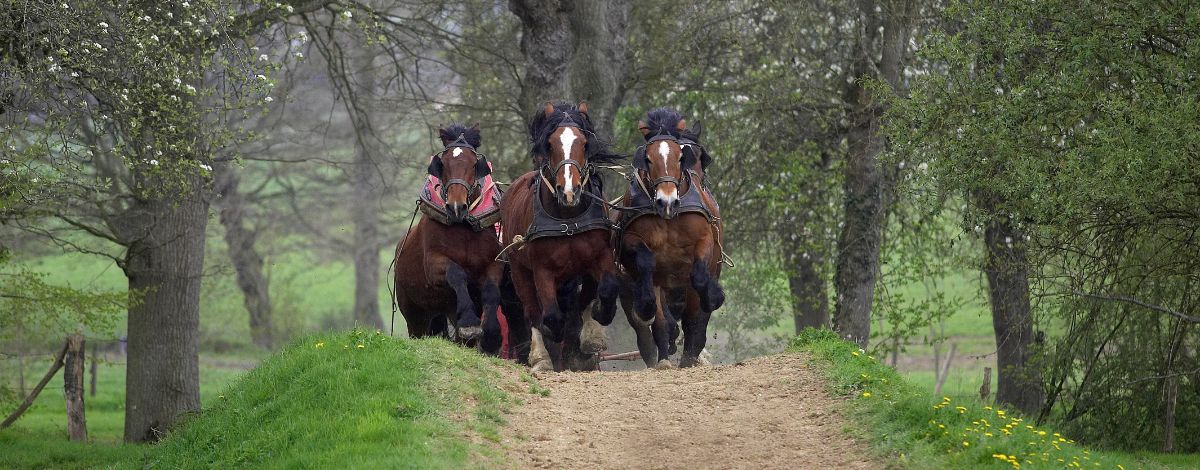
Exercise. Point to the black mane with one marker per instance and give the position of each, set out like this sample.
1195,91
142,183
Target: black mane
450,133
542,126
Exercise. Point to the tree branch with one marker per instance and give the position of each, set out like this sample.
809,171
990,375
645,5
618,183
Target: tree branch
1131,300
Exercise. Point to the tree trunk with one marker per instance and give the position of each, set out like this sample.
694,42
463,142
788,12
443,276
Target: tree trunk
867,187
242,253
366,183
548,44
164,264
73,388
1018,381
810,305
599,65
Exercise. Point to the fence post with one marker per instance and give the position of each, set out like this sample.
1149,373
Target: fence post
986,389
73,387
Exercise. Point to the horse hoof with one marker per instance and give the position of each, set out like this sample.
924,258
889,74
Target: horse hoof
469,333
542,366
664,365
591,338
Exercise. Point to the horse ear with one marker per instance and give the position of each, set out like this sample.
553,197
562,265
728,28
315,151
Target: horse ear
442,134
682,125
435,167
644,128
549,109
582,107
481,168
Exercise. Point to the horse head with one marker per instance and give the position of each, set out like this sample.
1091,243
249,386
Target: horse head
666,159
460,168
563,143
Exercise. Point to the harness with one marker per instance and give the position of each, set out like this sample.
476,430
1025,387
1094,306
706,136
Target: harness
475,193
594,216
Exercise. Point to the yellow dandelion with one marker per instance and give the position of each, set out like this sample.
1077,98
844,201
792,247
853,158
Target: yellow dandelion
855,353
866,394
988,434
961,409
966,444
360,346
320,344
1041,433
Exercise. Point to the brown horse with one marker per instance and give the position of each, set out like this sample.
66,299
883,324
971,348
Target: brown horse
558,212
670,240
446,266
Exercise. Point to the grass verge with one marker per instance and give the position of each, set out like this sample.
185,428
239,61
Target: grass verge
350,400
920,431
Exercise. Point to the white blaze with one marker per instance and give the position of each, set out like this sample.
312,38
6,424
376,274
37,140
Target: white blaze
457,151
664,151
567,139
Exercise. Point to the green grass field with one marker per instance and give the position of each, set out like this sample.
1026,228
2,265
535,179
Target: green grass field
350,399
903,421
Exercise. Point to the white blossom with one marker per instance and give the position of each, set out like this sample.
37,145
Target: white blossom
75,74
347,14
189,88
65,6
54,68
923,166
154,37
206,167
103,25
186,4
268,99
262,57
299,55
145,18
153,162
288,8
177,80
260,76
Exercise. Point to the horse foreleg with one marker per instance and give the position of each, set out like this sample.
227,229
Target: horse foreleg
467,322
643,293
662,334
695,329
545,313
712,296
490,295
521,307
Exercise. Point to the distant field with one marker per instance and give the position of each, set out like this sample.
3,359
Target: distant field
308,295
38,438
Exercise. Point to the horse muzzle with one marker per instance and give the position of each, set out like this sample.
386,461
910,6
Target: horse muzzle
566,199
456,212
667,209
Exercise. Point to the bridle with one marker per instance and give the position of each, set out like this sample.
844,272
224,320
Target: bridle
473,191
648,185
585,170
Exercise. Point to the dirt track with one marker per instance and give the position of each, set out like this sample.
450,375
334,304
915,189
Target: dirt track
770,412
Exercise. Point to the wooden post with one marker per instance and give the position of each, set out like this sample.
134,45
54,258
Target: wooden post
986,389
95,357
73,388
58,362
